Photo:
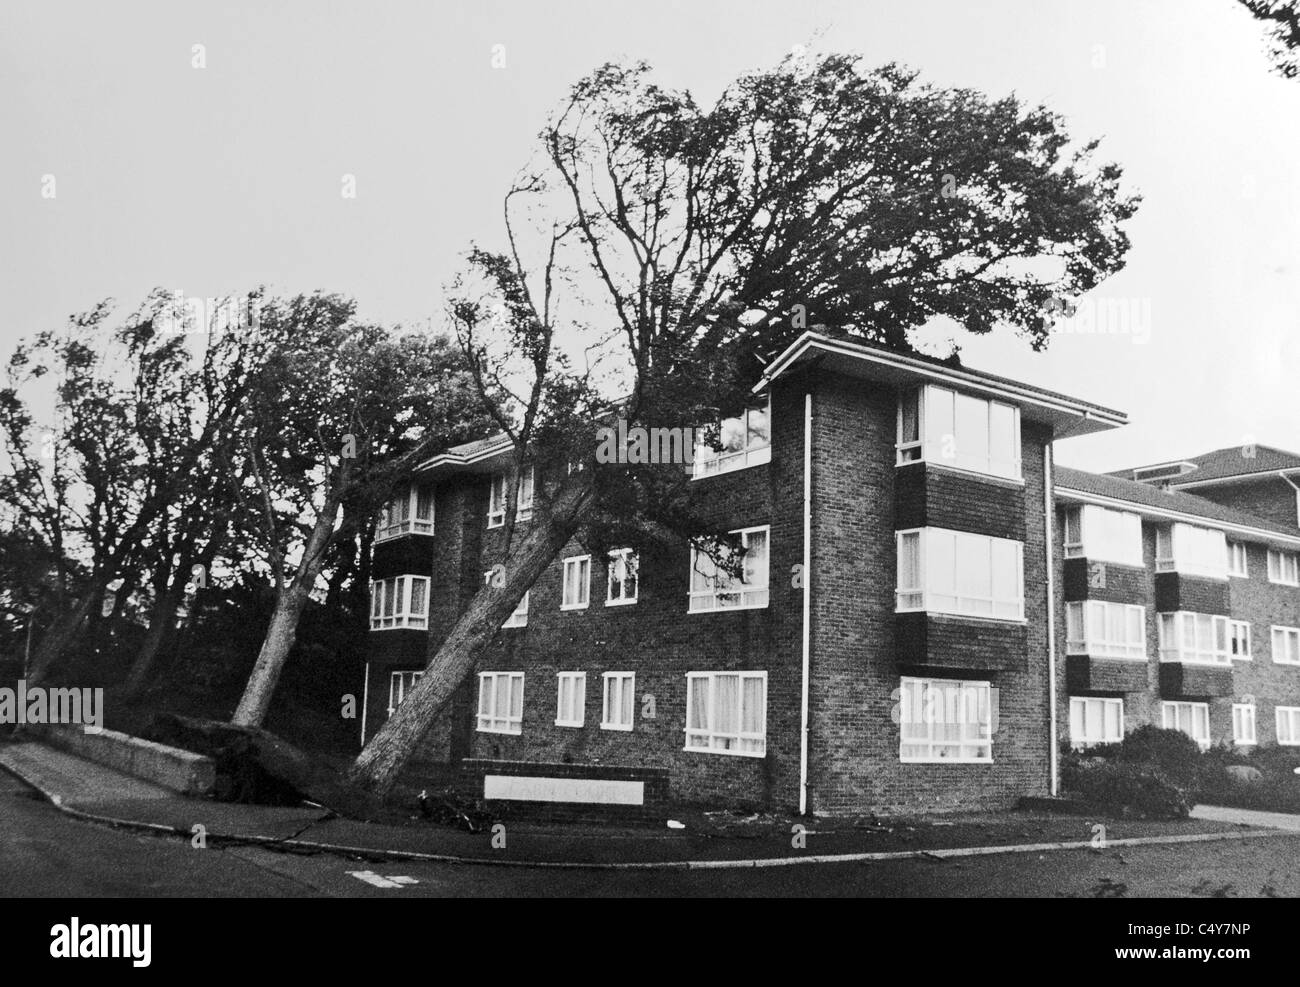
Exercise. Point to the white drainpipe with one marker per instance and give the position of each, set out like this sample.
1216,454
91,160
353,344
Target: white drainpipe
1049,518
807,580
365,701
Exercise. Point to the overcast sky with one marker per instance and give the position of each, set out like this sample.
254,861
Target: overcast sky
212,180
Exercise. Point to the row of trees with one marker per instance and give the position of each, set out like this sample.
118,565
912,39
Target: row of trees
651,257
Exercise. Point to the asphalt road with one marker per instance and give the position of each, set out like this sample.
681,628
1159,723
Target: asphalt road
45,853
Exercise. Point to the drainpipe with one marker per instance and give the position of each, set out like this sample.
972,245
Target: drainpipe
365,701
1049,517
1288,479
807,580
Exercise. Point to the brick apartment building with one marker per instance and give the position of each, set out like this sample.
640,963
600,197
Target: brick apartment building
909,633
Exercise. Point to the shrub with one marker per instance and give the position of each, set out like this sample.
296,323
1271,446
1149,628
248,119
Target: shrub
1125,788
1168,754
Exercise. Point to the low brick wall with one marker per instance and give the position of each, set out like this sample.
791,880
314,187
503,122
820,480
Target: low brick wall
182,771
567,791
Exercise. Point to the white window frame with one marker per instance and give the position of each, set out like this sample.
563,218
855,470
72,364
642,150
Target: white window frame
925,598
1179,548
492,720
622,683
1237,553
390,604
1240,630
1103,534
401,515
712,462
1243,717
496,515
631,563
969,751
709,740
399,685
1290,715
1291,653
527,484
577,699
1079,638
1283,567
582,565
519,617
1177,650
929,446
1178,715
1086,708
750,590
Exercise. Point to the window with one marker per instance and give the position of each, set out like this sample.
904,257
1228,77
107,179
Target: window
1195,638
497,498
942,571
520,616
409,512
1288,725
577,583
1282,568
713,587
938,425
1286,646
1192,550
1098,533
399,684
620,694
1191,718
401,601
571,699
726,712
624,567
1096,721
1239,639
746,441
1106,630
501,702
1237,560
945,720
1243,723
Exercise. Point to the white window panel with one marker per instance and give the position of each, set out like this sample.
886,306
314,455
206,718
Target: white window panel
1288,725
571,699
1194,638
1192,550
576,592
1286,645
726,713
399,686
1239,639
956,572
1238,559
524,507
1243,723
1106,630
501,702
496,500
945,720
1191,718
622,577
1102,534
1283,568
1096,721
410,512
939,425
399,601
619,707
746,440
714,588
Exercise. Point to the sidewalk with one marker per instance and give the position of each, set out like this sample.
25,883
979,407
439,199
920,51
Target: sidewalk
99,794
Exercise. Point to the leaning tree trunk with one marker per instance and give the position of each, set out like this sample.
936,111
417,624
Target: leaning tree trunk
61,632
283,631
162,622
378,765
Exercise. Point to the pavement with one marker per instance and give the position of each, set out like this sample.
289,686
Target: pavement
94,793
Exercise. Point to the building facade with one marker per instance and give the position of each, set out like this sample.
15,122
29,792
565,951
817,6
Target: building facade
926,613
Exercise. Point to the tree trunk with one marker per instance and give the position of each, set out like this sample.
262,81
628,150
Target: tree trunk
283,630
61,632
378,765
161,623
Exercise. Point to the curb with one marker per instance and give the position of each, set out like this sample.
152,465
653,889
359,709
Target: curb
228,839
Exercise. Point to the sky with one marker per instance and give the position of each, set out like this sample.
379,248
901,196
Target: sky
209,180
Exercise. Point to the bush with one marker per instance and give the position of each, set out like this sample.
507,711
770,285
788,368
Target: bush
1127,789
1168,754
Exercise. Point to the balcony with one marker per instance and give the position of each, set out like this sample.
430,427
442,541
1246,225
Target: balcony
926,495
1199,594
964,643
1189,681
1085,673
